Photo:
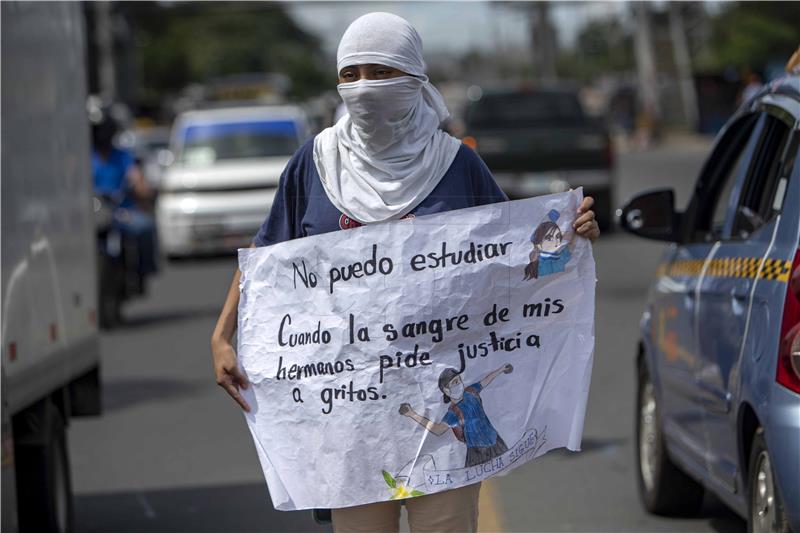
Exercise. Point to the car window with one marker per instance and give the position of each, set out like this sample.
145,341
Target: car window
204,144
756,204
723,198
788,166
730,158
525,109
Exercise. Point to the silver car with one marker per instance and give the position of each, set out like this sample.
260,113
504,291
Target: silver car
220,187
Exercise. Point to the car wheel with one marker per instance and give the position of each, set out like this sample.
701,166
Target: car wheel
765,510
44,485
109,299
663,487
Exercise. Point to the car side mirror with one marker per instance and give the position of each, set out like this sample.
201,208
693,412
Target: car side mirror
652,215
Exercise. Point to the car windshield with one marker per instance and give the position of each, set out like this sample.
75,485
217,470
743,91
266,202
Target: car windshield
525,109
204,144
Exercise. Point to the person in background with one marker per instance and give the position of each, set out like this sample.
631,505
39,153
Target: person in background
753,84
386,159
118,177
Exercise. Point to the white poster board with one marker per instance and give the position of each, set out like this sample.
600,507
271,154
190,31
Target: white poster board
416,356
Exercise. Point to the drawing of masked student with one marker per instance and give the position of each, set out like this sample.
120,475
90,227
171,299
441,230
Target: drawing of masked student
550,253
465,416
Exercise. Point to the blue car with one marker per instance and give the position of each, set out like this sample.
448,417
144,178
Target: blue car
718,361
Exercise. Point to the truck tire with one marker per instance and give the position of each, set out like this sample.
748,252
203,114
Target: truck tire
109,293
663,487
44,486
765,512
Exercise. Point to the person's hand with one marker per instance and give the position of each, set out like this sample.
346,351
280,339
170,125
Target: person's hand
507,369
405,409
585,224
227,372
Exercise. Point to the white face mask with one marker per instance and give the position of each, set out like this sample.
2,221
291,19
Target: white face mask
386,155
456,391
382,110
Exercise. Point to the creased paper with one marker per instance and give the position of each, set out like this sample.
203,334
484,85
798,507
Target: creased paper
410,357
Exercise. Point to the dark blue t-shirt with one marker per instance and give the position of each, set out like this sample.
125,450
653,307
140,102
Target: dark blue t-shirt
302,208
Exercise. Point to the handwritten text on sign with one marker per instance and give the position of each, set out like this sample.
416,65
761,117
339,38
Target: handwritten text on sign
402,359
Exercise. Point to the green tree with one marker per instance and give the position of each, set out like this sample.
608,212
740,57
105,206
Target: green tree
751,34
602,46
193,42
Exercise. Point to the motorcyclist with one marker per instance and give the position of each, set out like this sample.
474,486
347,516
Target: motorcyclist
117,176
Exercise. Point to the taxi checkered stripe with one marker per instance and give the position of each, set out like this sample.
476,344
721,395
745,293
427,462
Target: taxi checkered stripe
731,267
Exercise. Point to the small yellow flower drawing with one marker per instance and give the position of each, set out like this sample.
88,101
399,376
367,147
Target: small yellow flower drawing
399,490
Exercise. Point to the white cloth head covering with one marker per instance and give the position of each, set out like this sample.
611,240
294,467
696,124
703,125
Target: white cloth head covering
387,154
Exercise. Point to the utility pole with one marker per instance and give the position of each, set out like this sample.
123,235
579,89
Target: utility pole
499,48
104,38
543,40
680,52
646,70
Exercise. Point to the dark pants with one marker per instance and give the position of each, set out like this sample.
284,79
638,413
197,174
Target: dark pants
480,454
141,227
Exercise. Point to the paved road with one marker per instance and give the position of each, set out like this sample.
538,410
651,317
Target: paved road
173,454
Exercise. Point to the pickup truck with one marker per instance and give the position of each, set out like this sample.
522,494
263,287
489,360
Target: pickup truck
227,164
50,343
539,141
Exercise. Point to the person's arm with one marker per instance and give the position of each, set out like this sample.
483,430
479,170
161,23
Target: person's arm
437,428
135,182
226,368
279,226
507,369
142,191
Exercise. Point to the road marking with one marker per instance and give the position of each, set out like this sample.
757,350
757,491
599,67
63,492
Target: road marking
149,512
490,510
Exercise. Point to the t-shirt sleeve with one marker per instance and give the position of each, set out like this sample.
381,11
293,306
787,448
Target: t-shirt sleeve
283,222
485,189
450,419
477,387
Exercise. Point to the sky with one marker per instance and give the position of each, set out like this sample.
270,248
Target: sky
448,27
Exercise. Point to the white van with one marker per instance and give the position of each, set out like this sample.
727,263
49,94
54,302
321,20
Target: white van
221,184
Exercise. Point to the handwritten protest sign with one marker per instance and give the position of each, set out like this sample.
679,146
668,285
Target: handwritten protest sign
416,356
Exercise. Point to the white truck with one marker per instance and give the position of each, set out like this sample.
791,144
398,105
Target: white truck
50,345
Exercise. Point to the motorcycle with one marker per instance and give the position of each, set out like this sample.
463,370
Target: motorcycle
117,259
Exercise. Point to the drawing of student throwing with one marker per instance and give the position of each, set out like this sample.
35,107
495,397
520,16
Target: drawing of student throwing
465,416
551,248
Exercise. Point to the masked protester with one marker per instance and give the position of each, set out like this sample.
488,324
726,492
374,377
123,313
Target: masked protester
386,159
